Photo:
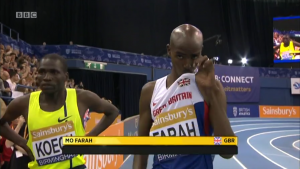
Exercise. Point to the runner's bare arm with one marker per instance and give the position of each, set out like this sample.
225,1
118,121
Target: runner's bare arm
9,143
3,108
94,102
218,114
16,108
145,122
296,43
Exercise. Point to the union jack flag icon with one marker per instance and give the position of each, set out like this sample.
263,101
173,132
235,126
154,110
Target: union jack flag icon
184,82
218,140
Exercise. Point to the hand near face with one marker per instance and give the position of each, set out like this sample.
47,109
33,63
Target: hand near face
205,76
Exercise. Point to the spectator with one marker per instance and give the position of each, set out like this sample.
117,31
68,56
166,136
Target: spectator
1,48
23,89
1,53
5,66
7,58
33,61
33,70
79,86
5,90
70,83
8,50
13,80
44,43
71,43
24,67
13,57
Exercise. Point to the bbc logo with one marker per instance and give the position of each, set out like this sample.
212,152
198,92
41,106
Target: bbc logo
26,14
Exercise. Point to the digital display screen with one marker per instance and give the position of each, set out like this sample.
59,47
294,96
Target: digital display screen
286,39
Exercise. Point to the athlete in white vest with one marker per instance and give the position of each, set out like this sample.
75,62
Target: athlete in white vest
187,102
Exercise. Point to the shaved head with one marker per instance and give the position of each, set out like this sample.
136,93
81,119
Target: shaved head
185,47
186,33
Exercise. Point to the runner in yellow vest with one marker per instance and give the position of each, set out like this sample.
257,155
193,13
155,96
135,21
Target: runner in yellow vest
52,113
287,48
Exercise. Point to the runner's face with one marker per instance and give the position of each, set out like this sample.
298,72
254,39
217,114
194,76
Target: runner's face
184,53
51,76
286,40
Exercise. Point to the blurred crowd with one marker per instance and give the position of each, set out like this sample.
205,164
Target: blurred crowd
70,83
16,68
18,74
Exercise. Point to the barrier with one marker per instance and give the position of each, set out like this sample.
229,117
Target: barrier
131,125
103,55
17,45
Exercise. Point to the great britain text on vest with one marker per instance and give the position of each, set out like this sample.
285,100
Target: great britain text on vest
172,100
47,143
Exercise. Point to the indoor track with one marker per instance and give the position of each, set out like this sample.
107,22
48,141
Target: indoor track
263,144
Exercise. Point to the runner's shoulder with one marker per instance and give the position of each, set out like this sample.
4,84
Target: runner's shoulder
21,102
86,96
83,94
148,88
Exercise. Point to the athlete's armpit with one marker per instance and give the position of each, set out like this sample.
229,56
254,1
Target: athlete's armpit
93,102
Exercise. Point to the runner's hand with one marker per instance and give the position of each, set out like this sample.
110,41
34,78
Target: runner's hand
28,151
21,120
205,77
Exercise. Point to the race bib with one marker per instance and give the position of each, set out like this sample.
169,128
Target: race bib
286,55
47,143
177,122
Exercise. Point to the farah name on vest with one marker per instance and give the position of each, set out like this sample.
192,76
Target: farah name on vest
177,122
172,100
47,143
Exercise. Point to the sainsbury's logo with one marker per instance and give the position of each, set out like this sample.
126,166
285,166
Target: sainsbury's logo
279,111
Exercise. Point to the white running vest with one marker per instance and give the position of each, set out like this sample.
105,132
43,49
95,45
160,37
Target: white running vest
176,111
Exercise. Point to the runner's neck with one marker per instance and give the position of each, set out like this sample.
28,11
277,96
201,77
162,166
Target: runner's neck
171,78
55,97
